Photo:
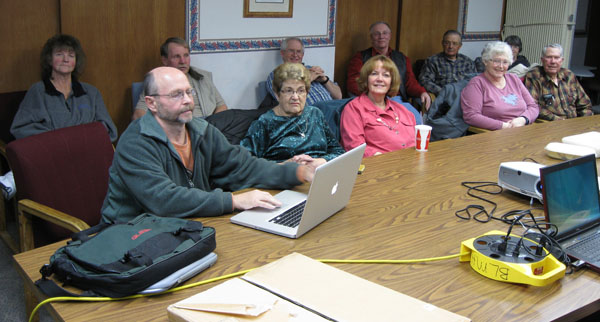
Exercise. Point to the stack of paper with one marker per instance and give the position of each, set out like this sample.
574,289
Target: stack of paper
297,288
575,146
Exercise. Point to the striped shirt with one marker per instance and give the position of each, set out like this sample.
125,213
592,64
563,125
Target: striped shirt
564,100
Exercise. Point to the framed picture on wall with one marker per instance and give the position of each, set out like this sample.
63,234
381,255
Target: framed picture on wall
317,18
268,8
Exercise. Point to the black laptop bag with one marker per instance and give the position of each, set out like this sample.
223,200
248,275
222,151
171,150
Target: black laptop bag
124,259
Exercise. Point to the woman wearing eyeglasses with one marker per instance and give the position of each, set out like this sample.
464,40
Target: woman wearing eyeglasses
292,131
373,118
496,100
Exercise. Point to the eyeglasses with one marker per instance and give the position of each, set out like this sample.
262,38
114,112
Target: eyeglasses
499,62
289,92
295,51
177,95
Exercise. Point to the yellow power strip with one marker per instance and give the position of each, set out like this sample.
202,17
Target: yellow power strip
488,258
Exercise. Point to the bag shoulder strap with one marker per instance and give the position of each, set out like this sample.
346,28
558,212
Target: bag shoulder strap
50,288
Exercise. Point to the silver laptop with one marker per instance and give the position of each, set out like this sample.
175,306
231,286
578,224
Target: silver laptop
182,275
571,202
329,192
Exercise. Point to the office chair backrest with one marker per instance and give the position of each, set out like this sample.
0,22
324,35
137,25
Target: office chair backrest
66,169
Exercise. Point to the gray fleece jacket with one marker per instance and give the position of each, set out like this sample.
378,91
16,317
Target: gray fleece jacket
147,174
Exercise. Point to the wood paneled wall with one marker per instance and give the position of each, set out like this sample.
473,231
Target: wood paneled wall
352,29
121,40
24,28
421,26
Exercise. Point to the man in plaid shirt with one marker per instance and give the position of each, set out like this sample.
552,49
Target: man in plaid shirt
556,89
448,66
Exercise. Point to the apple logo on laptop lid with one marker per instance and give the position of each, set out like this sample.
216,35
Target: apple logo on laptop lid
334,189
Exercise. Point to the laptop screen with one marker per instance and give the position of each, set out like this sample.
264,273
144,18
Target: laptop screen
570,191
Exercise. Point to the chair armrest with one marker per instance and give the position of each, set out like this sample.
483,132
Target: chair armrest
28,208
475,129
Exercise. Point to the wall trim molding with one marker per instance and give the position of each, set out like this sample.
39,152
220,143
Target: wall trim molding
198,45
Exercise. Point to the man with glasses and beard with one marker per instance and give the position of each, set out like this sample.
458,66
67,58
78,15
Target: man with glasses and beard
170,163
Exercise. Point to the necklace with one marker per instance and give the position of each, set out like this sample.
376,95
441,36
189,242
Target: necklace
302,132
396,118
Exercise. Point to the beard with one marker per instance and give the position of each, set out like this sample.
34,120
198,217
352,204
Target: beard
174,116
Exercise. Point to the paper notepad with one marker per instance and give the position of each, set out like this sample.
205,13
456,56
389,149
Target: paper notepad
327,292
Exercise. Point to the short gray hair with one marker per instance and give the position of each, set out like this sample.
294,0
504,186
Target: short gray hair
376,23
286,41
552,46
496,48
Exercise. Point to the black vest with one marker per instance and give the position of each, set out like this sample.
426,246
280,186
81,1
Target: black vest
400,60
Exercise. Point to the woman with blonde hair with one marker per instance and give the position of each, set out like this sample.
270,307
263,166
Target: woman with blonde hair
373,118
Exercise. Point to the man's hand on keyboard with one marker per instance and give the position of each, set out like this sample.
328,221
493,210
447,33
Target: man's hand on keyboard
253,199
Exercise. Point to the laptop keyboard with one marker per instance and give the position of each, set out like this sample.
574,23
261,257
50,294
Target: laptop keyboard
291,217
590,246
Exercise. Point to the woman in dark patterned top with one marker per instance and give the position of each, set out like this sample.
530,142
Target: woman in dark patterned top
292,131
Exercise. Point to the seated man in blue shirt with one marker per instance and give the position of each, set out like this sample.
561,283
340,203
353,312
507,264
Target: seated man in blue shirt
321,88
446,67
170,163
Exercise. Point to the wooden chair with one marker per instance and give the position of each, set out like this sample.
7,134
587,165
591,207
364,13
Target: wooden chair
62,179
9,104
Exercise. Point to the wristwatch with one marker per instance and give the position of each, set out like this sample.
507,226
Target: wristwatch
325,81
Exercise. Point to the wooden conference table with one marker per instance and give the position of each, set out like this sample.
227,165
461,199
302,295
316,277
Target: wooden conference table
402,207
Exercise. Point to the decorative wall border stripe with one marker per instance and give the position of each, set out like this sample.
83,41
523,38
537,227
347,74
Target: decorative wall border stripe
225,45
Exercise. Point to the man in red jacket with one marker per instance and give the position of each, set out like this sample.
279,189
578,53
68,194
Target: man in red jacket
381,33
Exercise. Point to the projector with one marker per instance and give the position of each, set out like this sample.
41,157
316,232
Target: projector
521,177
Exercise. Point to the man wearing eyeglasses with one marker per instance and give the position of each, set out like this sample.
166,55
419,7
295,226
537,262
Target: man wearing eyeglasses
175,52
170,163
381,34
556,89
321,88
446,67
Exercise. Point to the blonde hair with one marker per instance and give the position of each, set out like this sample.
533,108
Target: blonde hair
387,64
287,71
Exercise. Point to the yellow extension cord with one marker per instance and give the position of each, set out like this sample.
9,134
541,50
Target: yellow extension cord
222,277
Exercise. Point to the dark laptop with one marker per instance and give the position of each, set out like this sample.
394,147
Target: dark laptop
572,203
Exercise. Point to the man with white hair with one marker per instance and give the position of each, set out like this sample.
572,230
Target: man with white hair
321,87
556,89
381,34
